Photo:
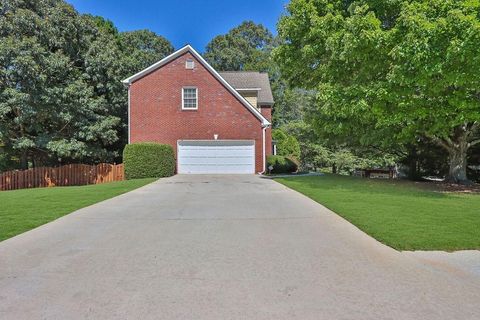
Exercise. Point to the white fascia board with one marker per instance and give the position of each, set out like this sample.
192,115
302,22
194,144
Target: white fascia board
129,80
248,89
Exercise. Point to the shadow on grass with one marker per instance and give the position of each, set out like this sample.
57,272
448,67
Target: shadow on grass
398,213
364,186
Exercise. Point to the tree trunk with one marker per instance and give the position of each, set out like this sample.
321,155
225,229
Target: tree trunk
457,172
24,160
457,146
413,165
334,168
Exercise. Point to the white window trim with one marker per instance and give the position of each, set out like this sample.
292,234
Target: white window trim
196,98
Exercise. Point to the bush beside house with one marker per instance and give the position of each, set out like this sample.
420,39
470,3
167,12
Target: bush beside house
281,164
288,153
287,145
148,160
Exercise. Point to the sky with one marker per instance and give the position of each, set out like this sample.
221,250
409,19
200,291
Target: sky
194,22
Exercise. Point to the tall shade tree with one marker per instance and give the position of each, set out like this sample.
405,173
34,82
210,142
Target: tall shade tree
56,72
246,47
389,71
61,96
142,48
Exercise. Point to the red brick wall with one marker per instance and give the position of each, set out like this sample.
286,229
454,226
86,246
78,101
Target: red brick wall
267,113
156,113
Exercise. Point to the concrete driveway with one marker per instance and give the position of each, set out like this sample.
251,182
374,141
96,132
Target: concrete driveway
220,247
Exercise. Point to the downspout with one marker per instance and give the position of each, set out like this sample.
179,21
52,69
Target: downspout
264,129
128,121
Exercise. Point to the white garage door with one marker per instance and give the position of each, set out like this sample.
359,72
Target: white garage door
216,156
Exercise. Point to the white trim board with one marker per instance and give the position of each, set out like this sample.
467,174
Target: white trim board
128,112
188,48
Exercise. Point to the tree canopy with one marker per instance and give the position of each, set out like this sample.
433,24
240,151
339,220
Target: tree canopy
61,98
246,47
389,71
142,48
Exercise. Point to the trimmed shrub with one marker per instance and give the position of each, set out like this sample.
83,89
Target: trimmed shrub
148,160
281,164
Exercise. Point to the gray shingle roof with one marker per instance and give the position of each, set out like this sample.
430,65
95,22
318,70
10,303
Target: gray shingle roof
250,79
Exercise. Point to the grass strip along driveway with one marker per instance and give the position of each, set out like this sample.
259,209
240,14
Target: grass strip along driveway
22,210
400,214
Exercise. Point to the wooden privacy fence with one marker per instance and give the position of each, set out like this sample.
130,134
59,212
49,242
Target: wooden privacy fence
68,175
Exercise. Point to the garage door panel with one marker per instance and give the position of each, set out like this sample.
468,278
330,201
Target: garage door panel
217,152
215,169
217,156
226,161
213,154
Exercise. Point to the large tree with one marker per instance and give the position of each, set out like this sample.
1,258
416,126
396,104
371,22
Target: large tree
56,71
245,47
389,71
141,48
61,96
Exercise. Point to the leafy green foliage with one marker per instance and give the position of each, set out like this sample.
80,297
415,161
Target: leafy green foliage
246,47
61,99
104,25
287,145
148,160
281,164
388,72
290,103
316,153
313,153
54,61
141,49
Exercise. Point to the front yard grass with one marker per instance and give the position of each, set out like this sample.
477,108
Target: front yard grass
22,210
402,215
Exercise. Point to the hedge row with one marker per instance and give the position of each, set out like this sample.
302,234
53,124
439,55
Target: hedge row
281,164
148,160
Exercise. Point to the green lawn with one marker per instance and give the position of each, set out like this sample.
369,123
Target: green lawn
22,210
400,214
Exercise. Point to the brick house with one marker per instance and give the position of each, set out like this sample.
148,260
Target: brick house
217,122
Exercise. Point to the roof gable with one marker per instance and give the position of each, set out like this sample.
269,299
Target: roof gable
182,51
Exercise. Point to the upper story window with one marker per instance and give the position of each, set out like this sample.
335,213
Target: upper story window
190,98
189,64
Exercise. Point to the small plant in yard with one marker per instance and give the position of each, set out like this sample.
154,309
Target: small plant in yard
148,160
